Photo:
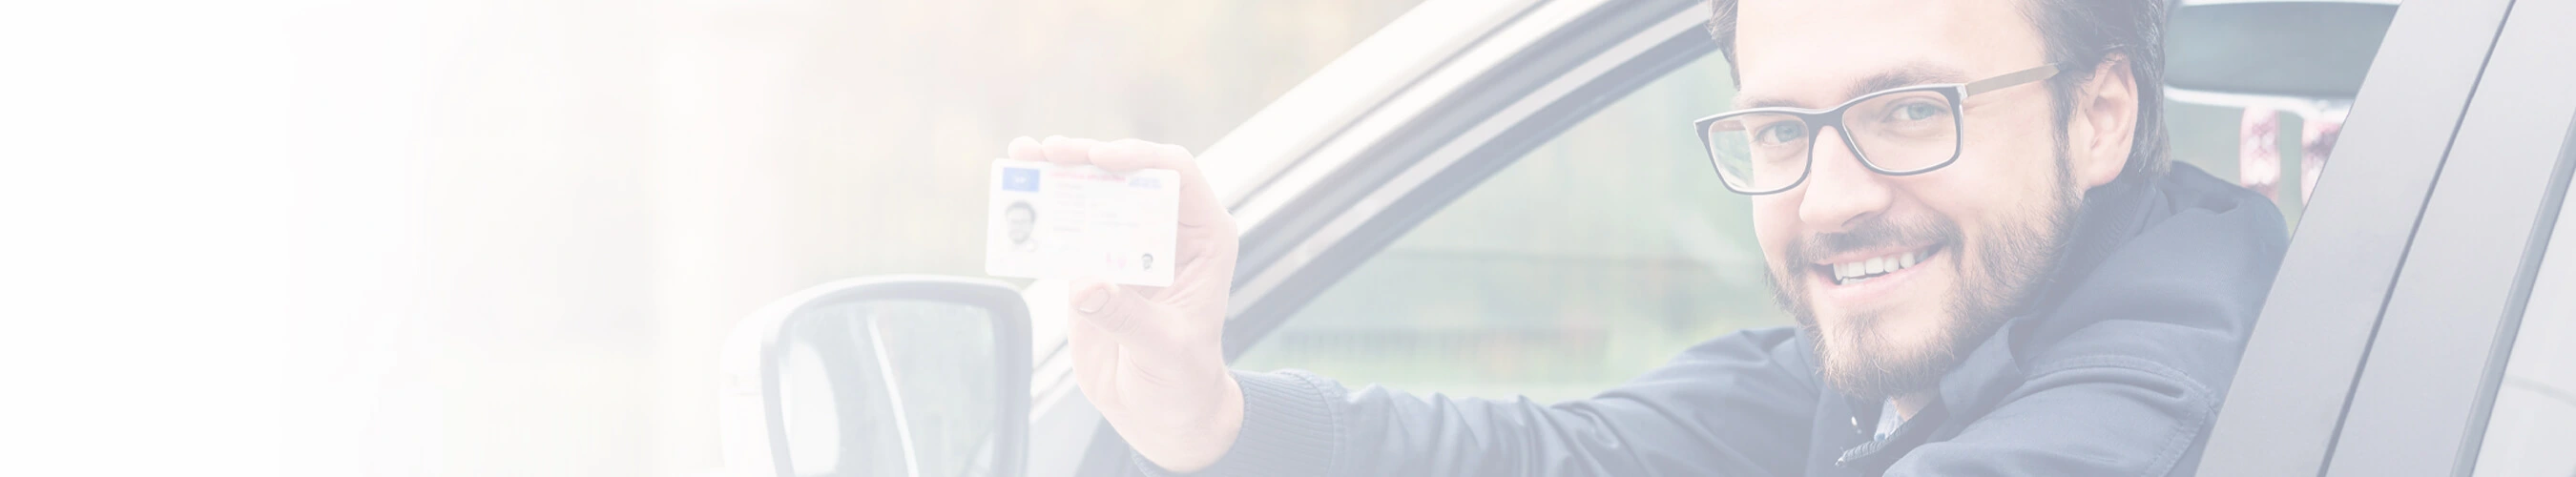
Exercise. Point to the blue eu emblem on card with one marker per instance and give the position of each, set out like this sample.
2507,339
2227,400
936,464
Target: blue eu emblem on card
1020,179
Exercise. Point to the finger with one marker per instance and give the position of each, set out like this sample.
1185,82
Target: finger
1198,208
1068,151
1026,148
1106,306
1131,154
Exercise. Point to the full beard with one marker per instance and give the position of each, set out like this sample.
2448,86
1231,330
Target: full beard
1863,361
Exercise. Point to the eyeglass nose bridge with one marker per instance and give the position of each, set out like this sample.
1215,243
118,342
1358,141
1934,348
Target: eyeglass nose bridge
1816,123
1832,119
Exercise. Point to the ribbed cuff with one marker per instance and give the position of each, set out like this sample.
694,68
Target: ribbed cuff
1289,428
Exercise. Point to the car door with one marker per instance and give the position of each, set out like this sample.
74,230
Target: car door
1531,166
1544,228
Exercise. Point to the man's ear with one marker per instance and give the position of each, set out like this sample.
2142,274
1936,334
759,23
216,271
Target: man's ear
2102,127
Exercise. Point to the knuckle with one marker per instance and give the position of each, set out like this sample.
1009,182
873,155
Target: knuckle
1111,322
1131,148
1115,316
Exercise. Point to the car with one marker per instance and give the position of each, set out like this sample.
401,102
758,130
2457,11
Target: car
2415,327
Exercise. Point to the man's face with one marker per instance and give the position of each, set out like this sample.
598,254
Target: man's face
1980,232
1022,222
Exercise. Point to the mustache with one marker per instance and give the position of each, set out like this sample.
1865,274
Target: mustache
1873,233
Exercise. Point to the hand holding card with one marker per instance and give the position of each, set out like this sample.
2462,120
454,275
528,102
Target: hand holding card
1150,358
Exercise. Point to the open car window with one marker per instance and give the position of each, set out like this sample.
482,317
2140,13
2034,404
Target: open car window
1614,246
1595,257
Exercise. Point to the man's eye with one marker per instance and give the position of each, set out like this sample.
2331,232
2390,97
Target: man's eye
1917,112
1780,133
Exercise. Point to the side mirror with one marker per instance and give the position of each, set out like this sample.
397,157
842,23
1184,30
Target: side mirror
2305,56
881,376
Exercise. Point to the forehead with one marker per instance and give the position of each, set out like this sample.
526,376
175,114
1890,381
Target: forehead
1814,53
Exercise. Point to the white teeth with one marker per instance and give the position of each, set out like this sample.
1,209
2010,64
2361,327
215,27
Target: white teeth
1853,272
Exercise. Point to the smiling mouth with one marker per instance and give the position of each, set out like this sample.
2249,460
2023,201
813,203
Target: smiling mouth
1862,270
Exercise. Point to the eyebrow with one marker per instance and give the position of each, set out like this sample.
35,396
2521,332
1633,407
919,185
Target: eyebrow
1910,74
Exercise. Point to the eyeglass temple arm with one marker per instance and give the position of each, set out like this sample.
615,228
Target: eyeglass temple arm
2011,79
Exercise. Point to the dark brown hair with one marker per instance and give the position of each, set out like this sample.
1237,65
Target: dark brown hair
2081,34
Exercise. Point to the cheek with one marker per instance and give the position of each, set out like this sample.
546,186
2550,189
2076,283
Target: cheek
2014,148
1775,222
2003,169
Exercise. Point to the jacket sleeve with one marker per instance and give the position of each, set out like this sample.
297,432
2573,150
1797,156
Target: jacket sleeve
1737,405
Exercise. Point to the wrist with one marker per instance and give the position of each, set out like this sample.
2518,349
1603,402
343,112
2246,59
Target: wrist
1203,440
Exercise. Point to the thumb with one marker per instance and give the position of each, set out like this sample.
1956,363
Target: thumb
1112,308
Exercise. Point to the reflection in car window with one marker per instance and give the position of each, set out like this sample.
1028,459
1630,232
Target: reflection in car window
2532,428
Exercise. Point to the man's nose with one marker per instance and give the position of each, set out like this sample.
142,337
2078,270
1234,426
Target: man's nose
1840,190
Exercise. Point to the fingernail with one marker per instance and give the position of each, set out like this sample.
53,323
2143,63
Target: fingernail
1093,300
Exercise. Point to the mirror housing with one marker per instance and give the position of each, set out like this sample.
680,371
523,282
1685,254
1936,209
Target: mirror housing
756,396
2303,56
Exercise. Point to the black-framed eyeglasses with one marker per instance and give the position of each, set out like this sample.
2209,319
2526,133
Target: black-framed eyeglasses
1898,132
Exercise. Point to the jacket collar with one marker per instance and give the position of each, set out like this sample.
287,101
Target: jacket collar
2111,215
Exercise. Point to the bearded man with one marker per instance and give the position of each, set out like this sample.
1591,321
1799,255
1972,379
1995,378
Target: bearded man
1967,204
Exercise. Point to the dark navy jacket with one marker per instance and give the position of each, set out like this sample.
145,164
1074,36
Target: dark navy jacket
2116,368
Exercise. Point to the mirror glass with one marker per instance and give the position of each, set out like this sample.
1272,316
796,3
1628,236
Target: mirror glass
889,388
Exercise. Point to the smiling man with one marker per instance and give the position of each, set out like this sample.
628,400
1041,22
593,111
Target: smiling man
1967,204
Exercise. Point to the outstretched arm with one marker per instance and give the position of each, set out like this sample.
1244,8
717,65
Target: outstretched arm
1737,405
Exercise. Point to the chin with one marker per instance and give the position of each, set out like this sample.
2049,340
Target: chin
1892,342
1875,356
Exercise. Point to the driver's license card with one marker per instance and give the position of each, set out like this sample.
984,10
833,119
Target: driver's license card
1051,221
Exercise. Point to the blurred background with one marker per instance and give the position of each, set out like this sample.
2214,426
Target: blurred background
499,238
597,190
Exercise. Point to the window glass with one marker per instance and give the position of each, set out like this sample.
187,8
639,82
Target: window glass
2532,428
2278,152
1610,249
